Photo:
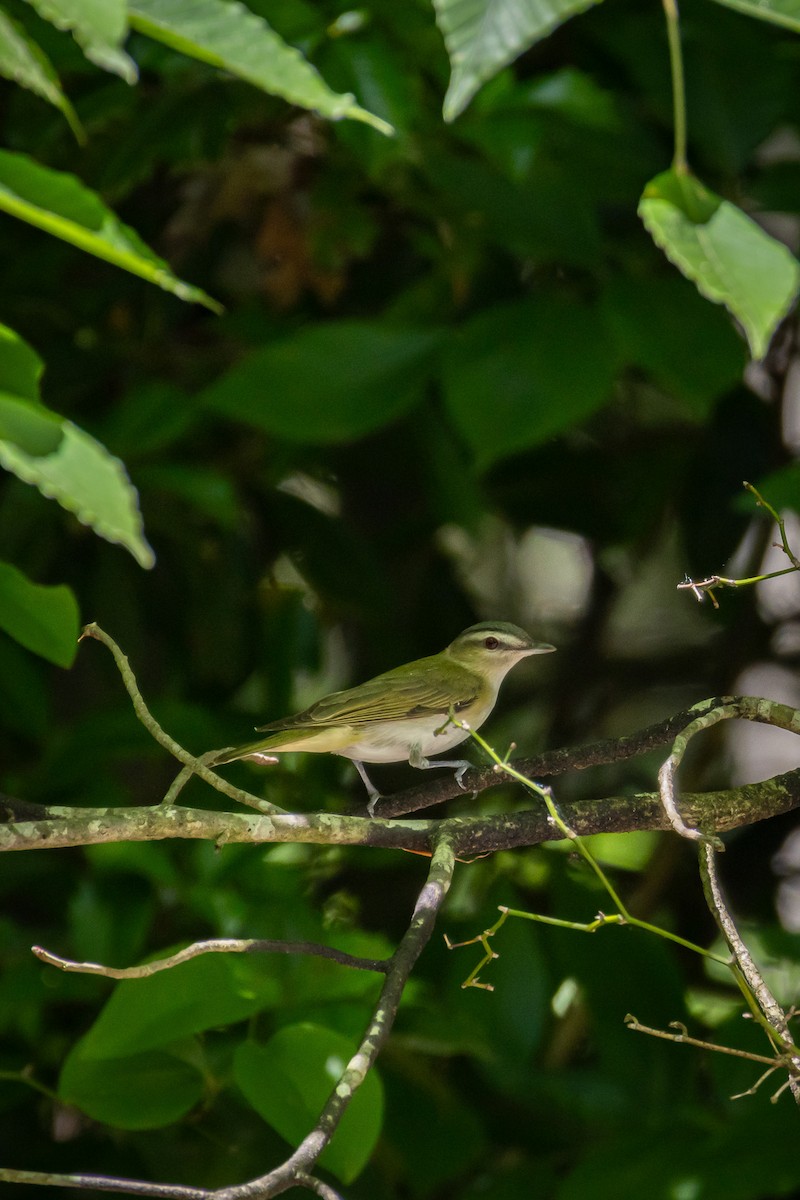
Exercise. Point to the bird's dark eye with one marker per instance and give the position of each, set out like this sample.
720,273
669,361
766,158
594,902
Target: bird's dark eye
491,643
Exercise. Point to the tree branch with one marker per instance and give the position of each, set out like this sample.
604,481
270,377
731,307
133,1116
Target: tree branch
212,946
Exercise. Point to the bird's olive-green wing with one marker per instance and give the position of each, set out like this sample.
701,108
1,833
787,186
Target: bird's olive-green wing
430,688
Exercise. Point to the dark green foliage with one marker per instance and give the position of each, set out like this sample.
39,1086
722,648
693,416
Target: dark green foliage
437,348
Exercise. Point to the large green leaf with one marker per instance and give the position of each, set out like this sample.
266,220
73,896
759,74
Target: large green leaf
43,619
522,373
99,27
482,36
60,204
227,35
22,60
288,1080
145,1091
329,383
729,258
780,12
204,993
89,482
664,326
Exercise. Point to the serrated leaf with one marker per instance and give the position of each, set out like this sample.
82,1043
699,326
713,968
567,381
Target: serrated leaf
60,204
728,257
331,382
779,12
483,36
99,28
89,482
288,1080
145,1091
42,619
22,60
227,35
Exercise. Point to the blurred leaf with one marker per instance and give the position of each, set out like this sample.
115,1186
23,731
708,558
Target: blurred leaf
204,993
23,419
144,1091
522,373
60,204
227,35
730,259
99,27
781,489
31,428
20,366
208,492
626,851
780,12
574,94
23,697
329,383
776,952
89,482
42,619
289,1079
424,1109
664,326
22,60
482,36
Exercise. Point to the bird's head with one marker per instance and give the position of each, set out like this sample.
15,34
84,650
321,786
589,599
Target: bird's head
493,647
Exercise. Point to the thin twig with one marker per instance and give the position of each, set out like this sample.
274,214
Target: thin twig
213,946
192,763
684,1039
106,1183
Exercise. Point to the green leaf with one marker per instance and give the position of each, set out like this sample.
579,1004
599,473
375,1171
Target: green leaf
288,1080
59,203
20,366
23,420
522,373
144,1091
30,427
664,326
729,258
780,488
89,482
779,12
329,383
227,35
43,619
204,993
99,28
27,64
482,36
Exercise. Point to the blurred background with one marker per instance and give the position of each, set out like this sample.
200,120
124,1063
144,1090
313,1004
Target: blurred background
454,380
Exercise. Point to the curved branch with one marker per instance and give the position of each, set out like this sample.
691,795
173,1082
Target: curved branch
212,946
414,940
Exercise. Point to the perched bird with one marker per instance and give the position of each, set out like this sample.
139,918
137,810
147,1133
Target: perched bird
405,713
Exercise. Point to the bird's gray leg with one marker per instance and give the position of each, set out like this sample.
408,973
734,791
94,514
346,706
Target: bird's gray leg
374,794
416,759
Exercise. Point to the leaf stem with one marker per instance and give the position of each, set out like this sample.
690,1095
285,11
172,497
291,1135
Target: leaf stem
679,161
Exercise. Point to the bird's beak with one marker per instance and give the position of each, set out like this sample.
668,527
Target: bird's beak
542,648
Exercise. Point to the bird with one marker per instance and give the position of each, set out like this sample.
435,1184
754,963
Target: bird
405,714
